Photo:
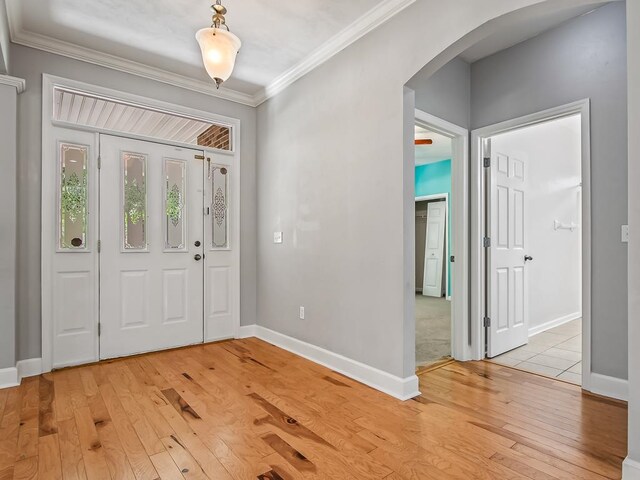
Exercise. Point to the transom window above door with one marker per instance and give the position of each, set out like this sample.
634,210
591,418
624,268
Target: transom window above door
83,109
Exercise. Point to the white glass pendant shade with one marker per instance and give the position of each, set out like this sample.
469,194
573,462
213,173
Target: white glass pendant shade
219,49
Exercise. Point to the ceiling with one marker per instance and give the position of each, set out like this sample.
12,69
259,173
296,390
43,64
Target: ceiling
441,149
281,40
523,29
80,109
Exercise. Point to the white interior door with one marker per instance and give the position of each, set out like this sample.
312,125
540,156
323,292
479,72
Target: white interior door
434,249
151,233
508,285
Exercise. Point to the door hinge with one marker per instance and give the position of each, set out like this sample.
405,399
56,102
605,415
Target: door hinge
199,157
99,328
486,242
99,245
486,161
206,210
486,322
452,259
99,162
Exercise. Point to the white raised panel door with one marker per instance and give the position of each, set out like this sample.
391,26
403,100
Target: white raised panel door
151,216
508,285
434,249
72,298
221,280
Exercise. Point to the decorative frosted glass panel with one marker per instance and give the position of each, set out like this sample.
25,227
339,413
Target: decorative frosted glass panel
73,196
219,206
134,203
174,204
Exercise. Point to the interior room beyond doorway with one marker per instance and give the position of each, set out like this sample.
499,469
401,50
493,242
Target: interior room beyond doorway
534,209
433,153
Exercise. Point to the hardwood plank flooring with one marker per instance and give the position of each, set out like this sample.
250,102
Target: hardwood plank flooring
244,409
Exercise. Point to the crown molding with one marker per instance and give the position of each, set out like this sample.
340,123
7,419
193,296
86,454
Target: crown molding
18,83
333,46
358,29
113,62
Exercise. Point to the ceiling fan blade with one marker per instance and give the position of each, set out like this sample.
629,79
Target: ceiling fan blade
424,141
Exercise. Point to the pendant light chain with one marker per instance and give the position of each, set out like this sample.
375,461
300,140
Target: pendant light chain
219,11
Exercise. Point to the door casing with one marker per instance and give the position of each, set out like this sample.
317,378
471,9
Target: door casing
478,222
458,204
49,188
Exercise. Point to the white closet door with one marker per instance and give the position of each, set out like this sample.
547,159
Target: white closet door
508,284
434,249
151,260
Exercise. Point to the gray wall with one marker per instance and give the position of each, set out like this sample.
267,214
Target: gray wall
30,64
446,93
8,137
584,58
633,26
4,39
333,177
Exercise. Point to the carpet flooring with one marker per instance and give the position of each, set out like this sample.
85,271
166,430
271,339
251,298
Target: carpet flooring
433,329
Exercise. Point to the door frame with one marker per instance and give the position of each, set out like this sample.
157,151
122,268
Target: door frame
445,197
478,196
459,203
49,83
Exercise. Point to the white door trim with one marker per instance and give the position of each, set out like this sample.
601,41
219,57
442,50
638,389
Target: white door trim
477,223
445,197
49,190
459,203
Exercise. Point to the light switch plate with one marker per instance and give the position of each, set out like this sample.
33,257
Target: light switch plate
277,237
625,233
301,313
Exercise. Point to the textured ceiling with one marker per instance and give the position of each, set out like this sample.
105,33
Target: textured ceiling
525,29
82,109
276,35
441,149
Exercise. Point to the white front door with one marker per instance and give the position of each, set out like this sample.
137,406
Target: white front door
152,246
221,281
434,249
70,226
507,273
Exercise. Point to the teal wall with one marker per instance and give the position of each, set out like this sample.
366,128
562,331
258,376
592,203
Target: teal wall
431,179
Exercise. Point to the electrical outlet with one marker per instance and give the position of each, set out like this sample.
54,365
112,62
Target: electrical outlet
277,237
301,313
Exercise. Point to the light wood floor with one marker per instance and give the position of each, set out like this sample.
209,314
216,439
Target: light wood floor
247,410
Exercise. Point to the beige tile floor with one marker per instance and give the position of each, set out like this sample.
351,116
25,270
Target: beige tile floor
554,353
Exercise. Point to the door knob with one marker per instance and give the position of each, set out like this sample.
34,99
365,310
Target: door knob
197,257
528,258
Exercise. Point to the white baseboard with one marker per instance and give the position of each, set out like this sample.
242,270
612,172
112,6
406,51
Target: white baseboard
609,386
248,331
554,323
12,376
400,388
630,469
8,377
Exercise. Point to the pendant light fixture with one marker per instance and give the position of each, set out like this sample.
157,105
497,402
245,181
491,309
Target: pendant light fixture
219,46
